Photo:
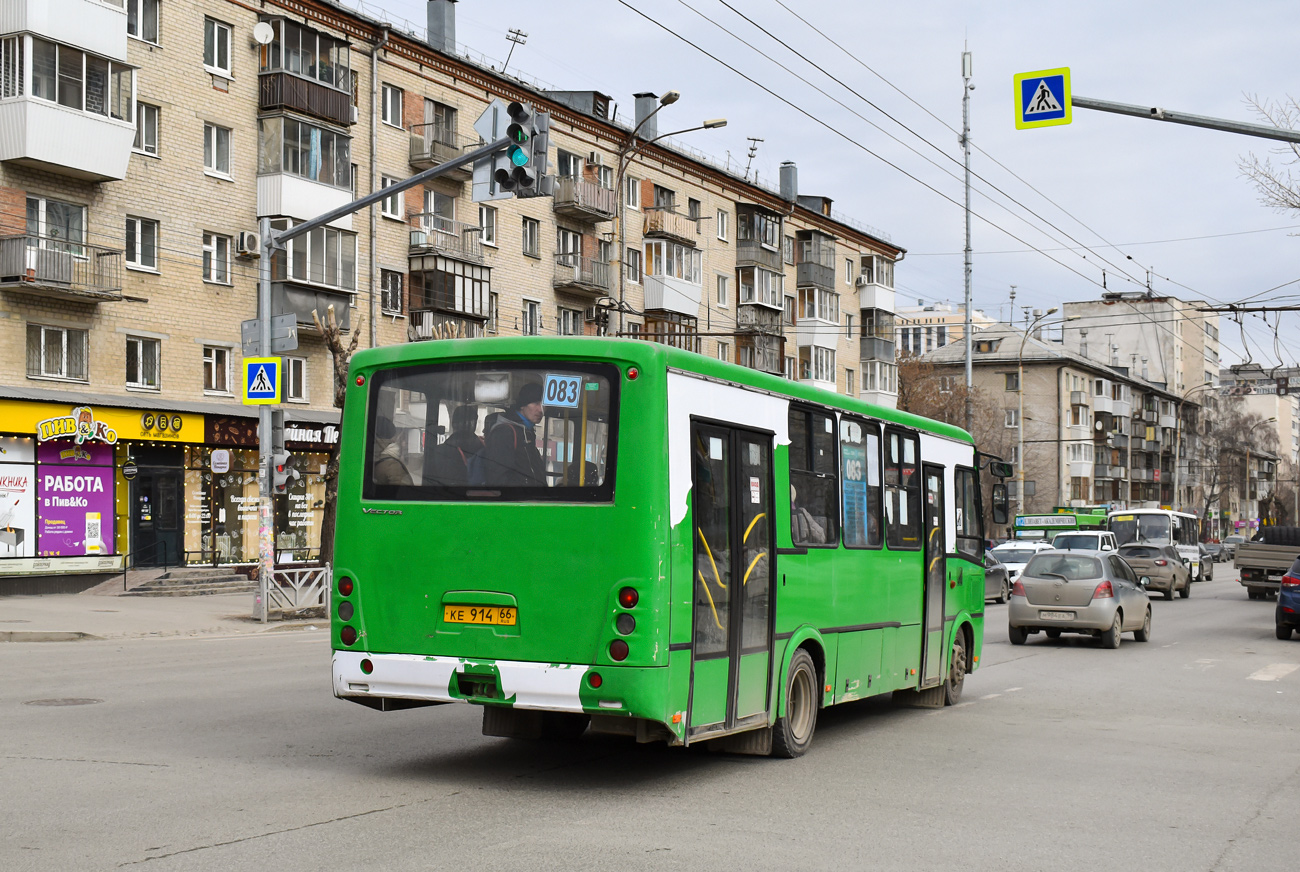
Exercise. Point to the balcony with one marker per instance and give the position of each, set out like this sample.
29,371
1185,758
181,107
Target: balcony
1150,416
816,273
665,293
302,299
1123,408
434,234
90,25
586,201
583,275
1080,468
280,89
291,195
1168,422
432,324
1104,471
57,269
1118,440
761,351
1103,404
662,224
1078,398
433,144
759,319
47,136
875,348
874,296
752,252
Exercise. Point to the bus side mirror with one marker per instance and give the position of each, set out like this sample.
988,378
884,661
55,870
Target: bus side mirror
1000,514
1000,469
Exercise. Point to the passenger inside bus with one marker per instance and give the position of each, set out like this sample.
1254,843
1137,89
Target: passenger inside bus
804,528
452,459
511,454
389,468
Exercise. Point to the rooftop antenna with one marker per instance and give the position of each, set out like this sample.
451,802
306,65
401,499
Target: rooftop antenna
753,150
516,37
1013,304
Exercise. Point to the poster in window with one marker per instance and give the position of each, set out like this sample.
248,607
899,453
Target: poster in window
17,510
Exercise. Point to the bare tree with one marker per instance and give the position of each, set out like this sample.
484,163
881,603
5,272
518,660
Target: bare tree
341,349
1230,435
1279,187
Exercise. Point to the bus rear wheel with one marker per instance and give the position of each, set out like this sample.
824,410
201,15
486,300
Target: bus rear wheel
956,679
792,733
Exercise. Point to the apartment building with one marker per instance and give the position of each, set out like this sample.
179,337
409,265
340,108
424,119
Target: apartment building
926,326
142,140
1090,433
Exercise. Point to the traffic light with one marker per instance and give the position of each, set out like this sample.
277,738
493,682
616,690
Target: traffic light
277,430
513,169
281,472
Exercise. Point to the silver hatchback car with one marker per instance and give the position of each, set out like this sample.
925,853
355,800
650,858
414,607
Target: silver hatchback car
1090,592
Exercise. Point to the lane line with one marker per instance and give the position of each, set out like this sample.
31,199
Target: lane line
1274,672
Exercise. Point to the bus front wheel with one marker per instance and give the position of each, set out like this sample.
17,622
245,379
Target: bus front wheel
952,685
792,733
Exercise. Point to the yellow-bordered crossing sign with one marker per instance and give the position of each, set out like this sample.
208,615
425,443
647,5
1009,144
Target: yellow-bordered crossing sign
1042,98
261,381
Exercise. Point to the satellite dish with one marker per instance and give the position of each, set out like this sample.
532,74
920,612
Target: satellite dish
263,32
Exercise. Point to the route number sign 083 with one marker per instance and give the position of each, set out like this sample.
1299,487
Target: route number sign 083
562,390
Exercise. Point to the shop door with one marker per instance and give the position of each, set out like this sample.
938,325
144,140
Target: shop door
935,576
732,636
156,532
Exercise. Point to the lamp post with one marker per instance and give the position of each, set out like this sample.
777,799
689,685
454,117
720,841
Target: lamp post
1249,433
625,153
1020,416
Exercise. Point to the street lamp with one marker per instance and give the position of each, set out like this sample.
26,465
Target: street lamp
1020,416
625,153
1249,432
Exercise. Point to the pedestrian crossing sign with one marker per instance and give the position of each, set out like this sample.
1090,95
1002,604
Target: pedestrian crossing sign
261,381
1042,98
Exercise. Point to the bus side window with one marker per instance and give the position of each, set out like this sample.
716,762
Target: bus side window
814,497
860,482
970,539
902,491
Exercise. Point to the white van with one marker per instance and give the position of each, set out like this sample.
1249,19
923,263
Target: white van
1085,540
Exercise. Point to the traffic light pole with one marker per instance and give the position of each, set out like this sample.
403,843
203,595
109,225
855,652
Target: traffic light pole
269,243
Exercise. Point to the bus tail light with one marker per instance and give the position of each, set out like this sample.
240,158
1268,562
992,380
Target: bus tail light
367,667
628,597
348,635
594,679
345,586
618,650
1017,589
625,624
345,611
1104,591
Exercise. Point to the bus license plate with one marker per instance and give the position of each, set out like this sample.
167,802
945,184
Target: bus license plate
499,615
1056,616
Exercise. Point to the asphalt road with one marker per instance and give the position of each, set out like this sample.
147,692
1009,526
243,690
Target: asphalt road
230,753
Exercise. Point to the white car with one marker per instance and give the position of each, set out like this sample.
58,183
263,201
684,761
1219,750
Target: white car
1014,555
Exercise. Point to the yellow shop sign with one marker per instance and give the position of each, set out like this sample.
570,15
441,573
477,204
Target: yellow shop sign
79,426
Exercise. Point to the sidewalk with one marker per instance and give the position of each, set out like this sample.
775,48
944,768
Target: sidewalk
97,614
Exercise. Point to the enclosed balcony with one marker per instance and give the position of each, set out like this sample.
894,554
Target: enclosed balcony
306,71
282,90
816,266
435,143
583,275
662,224
96,26
668,294
876,348
758,237
435,234
761,351
58,269
584,200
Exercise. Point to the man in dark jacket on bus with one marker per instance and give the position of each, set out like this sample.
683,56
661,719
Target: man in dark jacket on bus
511,454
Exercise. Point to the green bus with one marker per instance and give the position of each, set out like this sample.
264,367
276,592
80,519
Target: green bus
579,532
1062,519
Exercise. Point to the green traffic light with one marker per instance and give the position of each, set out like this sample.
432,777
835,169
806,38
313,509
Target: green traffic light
518,156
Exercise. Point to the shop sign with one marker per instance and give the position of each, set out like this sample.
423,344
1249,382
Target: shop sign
79,426
220,461
17,510
326,435
161,424
129,470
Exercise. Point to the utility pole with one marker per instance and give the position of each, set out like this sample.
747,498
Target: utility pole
965,144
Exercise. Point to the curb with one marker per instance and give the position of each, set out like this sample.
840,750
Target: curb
47,636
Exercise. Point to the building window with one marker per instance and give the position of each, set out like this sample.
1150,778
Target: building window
722,292
761,286
721,221
287,145
673,260
848,382
304,52
295,379
390,283
1012,381
216,46
724,351
390,109
60,226
391,206
487,224
493,309
77,80
634,271
530,323
605,177
146,129
665,199
568,165
1011,418
671,328
789,311
568,322
216,150
142,362
789,368
141,243
632,193
787,250
142,19
532,237
819,303
216,258
325,256
56,352
216,370
817,363
447,285
879,376
11,66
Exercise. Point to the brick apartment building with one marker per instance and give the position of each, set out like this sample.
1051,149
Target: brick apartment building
141,141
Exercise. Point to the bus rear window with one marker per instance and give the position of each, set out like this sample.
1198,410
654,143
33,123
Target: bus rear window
492,430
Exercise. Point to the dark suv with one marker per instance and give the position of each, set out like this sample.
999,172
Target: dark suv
1288,602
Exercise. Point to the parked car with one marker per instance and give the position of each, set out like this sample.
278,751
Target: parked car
1014,555
1092,592
1287,616
997,584
1215,550
1085,540
1208,559
1162,565
1230,544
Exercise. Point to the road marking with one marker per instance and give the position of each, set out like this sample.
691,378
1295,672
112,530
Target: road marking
1014,689
1274,672
991,696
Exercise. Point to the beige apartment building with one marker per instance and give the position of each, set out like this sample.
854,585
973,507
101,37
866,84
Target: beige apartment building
142,140
926,326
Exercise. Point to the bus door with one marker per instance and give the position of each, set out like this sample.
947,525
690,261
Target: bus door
731,509
935,577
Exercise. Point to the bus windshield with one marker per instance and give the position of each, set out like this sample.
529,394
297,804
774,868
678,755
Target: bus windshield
492,430
1140,528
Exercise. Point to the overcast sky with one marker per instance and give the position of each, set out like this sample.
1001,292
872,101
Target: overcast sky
1138,184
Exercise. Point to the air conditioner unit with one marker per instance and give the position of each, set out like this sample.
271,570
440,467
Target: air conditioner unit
249,244
862,281
595,159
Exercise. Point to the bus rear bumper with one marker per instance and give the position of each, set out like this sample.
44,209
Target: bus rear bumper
525,685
